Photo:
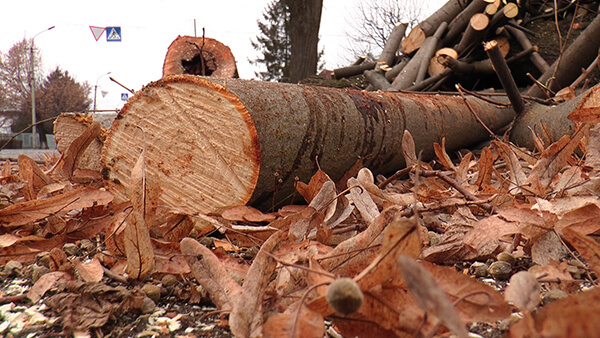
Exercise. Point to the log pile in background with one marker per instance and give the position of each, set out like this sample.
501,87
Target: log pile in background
199,56
447,48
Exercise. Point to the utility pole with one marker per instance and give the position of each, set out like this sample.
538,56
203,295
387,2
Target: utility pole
96,89
33,127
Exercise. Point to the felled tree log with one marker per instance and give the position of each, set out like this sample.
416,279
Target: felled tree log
69,126
458,25
388,54
427,27
215,143
474,32
409,73
568,67
199,56
553,119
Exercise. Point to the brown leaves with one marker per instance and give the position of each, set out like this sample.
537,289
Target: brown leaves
574,316
31,211
429,296
523,291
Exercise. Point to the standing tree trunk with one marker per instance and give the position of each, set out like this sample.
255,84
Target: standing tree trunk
305,19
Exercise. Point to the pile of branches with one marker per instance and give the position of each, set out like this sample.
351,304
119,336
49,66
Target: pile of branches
452,46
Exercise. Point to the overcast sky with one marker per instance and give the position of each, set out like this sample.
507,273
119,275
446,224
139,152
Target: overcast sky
147,28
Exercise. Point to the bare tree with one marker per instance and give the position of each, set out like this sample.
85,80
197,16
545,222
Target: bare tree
373,22
15,74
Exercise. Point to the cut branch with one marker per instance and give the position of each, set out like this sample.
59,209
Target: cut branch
504,75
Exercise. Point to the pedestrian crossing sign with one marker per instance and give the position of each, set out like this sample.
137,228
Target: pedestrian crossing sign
113,34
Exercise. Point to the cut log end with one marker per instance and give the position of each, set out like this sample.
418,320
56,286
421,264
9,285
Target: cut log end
197,135
199,56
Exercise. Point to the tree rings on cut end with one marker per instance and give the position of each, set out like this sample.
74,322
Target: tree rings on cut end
199,56
200,141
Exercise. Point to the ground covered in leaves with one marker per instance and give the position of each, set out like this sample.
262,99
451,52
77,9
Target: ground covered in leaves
497,241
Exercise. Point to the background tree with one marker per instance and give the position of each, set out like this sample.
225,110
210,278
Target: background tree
373,22
305,20
288,40
58,93
15,74
274,43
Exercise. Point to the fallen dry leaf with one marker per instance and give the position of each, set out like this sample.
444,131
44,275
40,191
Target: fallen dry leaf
144,190
294,323
429,296
138,247
31,173
31,211
89,271
587,248
523,291
210,273
351,256
552,160
246,318
310,190
46,282
400,237
574,316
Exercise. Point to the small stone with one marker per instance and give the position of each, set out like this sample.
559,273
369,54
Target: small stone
206,241
250,253
43,259
13,268
508,322
479,269
553,295
500,270
152,291
148,305
169,281
506,257
71,249
38,271
434,238
87,245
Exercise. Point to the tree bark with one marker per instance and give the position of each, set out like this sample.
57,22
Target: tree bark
216,143
353,70
504,75
378,80
474,32
458,25
409,73
305,19
388,54
554,119
199,56
568,67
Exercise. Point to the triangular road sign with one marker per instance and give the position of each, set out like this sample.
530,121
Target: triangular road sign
97,31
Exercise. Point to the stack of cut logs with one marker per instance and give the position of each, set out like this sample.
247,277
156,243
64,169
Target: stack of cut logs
448,47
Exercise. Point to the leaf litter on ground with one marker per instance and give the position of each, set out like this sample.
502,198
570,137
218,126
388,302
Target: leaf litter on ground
407,245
